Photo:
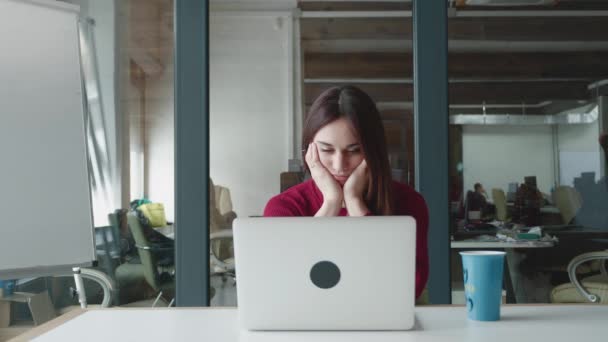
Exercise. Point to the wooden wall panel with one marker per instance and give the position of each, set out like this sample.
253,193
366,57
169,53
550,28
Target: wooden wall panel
460,4
354,6
472,28
590,65
470,93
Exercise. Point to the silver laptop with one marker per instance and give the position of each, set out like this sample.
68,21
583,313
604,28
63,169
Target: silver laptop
330,273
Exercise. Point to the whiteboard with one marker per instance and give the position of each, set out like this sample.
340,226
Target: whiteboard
492,156
45,205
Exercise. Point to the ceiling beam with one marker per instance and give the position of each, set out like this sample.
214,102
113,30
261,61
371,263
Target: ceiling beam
388,5
366,5
459,46
537,65
499,29
469,93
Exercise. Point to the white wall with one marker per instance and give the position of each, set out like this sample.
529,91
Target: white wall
250,107
133,108
249,113
498,155
160,141
579,151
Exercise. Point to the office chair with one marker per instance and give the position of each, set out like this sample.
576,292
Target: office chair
220,264
129,274
500,202
471,204
568,201
107,248
153,256
221,254
105,282
592,289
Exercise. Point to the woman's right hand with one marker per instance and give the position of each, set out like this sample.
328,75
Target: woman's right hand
331,190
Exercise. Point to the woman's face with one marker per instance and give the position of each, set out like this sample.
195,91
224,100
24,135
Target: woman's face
340,150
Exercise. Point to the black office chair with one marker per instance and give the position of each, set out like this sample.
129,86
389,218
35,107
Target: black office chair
475,202
129,273
154,257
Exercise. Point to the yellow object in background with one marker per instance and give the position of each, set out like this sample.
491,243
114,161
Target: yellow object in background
155,213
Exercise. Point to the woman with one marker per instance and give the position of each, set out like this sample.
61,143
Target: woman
345,152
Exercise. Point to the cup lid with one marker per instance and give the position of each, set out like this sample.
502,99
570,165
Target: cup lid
482,253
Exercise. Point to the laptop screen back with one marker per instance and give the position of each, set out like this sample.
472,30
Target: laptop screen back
330,273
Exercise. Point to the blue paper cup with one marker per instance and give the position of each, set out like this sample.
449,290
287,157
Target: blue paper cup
8,287
482,272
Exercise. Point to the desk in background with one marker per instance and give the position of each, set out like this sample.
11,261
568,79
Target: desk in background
500,244
168,231
549,209
549,214
555,323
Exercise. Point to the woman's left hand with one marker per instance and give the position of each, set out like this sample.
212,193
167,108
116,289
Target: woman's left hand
354,190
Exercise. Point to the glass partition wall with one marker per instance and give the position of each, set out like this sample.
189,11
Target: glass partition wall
527,151
527,143
127,62
527,112
266,69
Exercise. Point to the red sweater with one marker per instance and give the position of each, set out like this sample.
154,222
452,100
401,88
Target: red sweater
305,199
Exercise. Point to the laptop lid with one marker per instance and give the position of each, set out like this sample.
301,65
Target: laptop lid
330,273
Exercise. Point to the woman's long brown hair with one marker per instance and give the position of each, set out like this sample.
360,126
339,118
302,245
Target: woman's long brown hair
359,109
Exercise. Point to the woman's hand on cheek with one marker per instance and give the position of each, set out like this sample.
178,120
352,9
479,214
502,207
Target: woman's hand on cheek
356,183
332,193
354,189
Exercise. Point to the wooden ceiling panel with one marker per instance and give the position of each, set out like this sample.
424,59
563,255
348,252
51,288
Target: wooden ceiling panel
590,65
357,65
354,6
516,92
476,28
355,28
536,29
378,92
312,5
559,5
470,93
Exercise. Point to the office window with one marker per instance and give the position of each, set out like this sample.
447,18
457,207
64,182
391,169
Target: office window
251,91
145,53
266,69
368,46
128,56
527,114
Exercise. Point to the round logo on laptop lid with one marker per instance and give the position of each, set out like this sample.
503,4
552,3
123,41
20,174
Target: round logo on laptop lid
325,274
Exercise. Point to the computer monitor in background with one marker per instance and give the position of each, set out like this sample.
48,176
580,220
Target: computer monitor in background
511,192
530,181
588,177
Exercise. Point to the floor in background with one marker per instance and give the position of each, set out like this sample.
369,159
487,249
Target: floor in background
147,303
225,291
13,331
225,295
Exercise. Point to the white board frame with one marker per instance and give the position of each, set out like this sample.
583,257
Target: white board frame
45,200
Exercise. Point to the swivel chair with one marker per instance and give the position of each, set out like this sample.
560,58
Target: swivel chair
592,289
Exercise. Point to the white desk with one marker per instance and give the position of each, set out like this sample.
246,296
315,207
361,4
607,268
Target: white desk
553,323
549,209
168,231
500,244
